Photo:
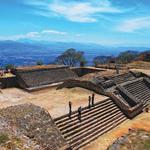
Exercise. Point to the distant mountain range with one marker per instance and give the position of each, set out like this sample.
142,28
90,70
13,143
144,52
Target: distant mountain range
27,52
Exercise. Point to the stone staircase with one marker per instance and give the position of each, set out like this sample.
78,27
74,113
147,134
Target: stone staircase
140,89
95,121
118,79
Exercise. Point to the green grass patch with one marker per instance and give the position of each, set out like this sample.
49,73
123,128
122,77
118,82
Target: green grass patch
147,144
3,138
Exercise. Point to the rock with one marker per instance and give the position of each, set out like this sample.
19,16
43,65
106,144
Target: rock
37,147
32,124
144,137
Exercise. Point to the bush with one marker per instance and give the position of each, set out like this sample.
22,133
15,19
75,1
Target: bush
9,66
101,60
39,63
127,57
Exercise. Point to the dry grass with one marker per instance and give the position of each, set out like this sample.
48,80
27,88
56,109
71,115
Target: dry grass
108,72
27,68
139,65
7,75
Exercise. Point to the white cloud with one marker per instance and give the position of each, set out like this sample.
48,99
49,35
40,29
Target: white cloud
78,35
30,35
82,11
33,35
133,25
72,10
53,32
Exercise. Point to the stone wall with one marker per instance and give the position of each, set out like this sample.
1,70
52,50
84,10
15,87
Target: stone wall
8,82
44,76
81,83
81,71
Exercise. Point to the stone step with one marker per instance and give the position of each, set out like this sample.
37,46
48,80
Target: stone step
122,78
96,127
135,83
142,94
93,134
84,113
91,125
144,97
90,116
74,113
136,88
143,90
82,125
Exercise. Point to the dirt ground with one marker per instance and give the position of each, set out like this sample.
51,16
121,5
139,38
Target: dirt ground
139,65
142,70
108,72
55,101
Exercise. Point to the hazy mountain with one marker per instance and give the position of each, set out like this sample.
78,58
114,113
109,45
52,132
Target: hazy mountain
25,51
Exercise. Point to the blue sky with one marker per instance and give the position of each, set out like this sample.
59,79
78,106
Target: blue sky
106,22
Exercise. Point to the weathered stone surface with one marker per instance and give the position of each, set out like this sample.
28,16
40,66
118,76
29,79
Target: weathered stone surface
38,77
135,139
35,124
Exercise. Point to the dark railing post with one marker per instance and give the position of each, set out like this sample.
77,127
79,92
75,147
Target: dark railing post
93,98
89,101
70,109
79,113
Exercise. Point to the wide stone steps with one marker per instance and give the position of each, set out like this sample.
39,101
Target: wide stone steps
96,132
80,126
139,90
65,118
118,81
92,115
99,133
137,87
95,121
79,133
122,78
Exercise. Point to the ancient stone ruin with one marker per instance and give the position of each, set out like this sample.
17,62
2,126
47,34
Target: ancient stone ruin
33,78
95,121
128,94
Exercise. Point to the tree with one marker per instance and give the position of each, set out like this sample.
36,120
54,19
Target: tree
39,63
101,60
127,56
9,66
71,57
144,56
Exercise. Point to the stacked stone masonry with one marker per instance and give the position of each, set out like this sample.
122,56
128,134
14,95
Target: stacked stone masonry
43,77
